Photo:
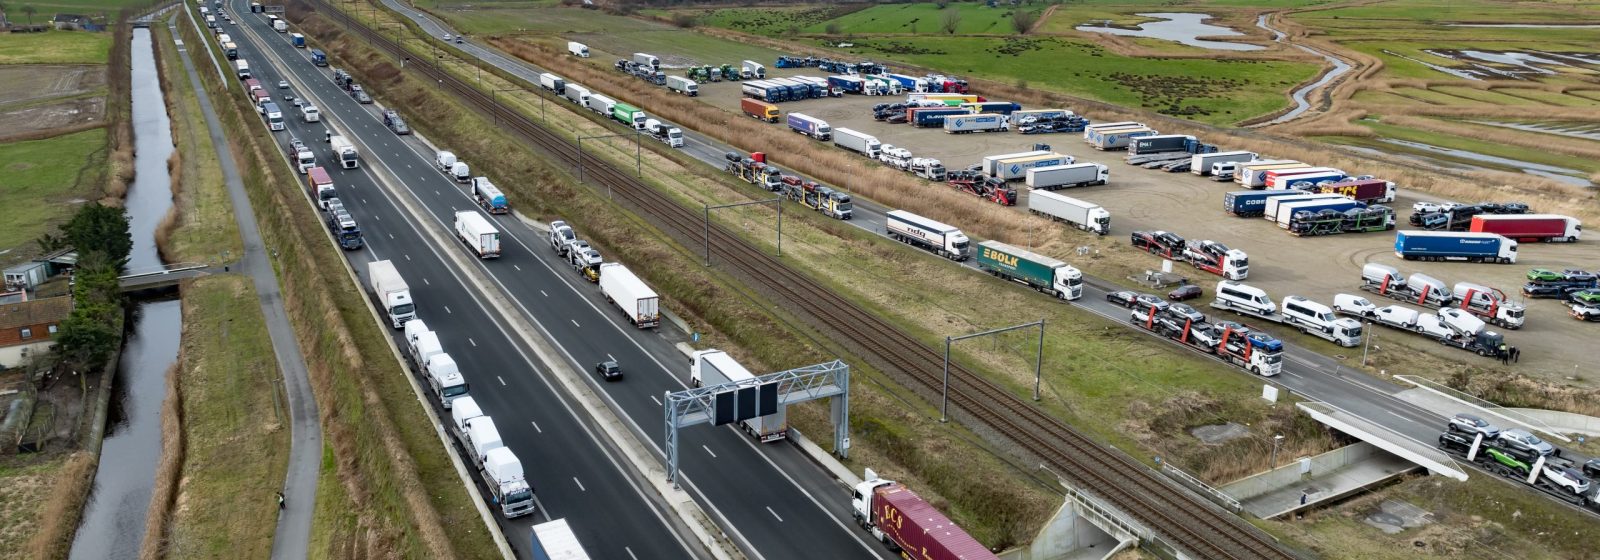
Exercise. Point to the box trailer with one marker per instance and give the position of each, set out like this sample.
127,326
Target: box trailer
1369,191
392,292
1286,178
1017,168
1274,205
319,185
1529,227
1254,174
577,49
864,144
1054,177
600,104
1200,164
630,294
900,518
810,126
1044,274
646,59
940,239
1119,138
759,109
995,107
1250,204
986,122
715,367
683,85
554,540
478,234
1162,143
990,162
577,94
553,83
1455,246
929,117
1083,215
628,115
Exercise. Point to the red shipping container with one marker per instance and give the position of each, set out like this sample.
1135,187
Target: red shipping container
1366,190
921,531
1527,227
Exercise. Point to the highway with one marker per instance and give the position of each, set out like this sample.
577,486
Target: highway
1306,371
770,498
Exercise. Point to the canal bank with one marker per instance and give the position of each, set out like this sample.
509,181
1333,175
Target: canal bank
114,516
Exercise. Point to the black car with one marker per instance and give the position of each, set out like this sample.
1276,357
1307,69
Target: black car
608,370
1546,291
1123,298
1592,468
1453,441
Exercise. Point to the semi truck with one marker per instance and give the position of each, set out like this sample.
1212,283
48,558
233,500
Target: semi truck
577,49
553,83
1418,289
1254,174
864,144
1370,191
986,122
273,114
1118,138
1489,304
1529,227
917,231
715,367
554,540
318,58
847,84
1063,176
1455,246
628,115
576,94
478,234
1162,143
669,134
683,85
1090,131
810,126
501,470
646,59
392,292
319,185
1294,177
1044,274
1250,204
445,379
489,196
1216,258
1201,164
1083,215
753,69
905,522
630,294
759,109
600,104
1018,168
345,152
930,117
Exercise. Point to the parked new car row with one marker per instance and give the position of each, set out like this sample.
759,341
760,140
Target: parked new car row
1519,455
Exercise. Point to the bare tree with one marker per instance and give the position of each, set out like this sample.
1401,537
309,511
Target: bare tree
1022,21
29,10
951,20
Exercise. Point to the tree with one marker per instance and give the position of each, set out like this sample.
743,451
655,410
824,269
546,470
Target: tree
831,29
97,227
90,334
951,20
29,10
1022,21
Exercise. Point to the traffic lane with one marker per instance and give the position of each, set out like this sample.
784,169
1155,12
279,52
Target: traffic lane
440,305
775,504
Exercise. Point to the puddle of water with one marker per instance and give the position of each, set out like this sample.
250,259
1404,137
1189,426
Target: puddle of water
1563,174
1584,132
1463,74
1181,27
1301,103
114,519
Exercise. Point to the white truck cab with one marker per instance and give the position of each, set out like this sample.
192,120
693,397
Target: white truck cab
445,379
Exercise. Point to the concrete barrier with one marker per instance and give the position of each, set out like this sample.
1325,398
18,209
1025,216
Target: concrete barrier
1569,422
1262,483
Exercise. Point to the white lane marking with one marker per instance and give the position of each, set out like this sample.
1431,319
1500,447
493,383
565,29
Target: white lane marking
613,358
630,553
709,451
580,484
542,292
447,310
575,323
536,426
658,401
391,236
502,380
519,269
408,257
425,281
474,342
774,514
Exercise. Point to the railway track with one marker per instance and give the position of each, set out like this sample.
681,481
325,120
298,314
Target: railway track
1192,524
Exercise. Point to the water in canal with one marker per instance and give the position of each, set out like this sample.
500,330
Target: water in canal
1181,27
114,519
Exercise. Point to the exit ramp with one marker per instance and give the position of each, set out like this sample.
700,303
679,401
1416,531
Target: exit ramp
1424,455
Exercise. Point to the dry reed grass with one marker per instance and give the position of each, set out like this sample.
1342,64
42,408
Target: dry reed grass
169,223
164,494
1570,146
119,118
61,512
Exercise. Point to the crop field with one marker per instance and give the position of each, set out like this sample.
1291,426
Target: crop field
926,18
772,21
55,47
42,183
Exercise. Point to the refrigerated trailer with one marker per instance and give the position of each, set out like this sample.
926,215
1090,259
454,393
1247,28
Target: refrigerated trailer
715,367
1200,164
1086,216
938,238
630,294
1529,227
1054,177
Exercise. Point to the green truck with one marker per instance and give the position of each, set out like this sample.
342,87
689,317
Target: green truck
628,115
1043,273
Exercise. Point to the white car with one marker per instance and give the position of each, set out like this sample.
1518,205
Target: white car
1354,305
1425,207
1566,478
283,84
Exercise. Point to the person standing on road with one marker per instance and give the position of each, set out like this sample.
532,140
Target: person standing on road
1515,354
280,501
1505,355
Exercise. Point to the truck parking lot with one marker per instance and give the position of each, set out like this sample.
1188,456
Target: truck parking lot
1141,199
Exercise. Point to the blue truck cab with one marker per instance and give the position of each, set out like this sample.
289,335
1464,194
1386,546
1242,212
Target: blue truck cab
318,57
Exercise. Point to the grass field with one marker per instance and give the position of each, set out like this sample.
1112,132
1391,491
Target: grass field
43,183
25,483
202,227
1214,91
55,47
1480,145
234,426
922,18
772,21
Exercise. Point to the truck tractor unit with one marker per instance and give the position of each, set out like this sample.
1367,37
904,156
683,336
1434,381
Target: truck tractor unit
1489,304
1455,246
345,152
391,291
1083,215
903,521
1163,244
1319,320
1217,259
929,168
815,128
1043,274
670,135
940,239
987,188
1418,289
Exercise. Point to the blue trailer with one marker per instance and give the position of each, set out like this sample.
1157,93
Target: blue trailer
1251,204
1455,246
933,116
908,82
765,91
318,57
847,84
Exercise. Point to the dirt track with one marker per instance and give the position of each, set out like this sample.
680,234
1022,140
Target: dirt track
1191,206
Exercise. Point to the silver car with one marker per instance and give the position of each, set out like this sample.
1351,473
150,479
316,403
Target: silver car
1474,425
1521,440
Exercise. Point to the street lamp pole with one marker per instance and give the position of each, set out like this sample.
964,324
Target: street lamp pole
1276,439
1367,344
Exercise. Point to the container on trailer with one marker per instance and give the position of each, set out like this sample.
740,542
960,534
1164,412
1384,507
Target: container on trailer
630,294
1249,204
1040,272
553,83
759,109
1052,177
1364,190
864,144
1529,227
1254,174
478,234
1017,168
1084,215
1455,245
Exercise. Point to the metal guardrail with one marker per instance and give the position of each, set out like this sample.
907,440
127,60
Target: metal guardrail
160,270
1222,498
1482,405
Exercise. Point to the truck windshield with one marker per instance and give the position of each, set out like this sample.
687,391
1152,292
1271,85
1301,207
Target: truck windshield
404,309
519,497
1075,281
455,390
327,194
1241,262
1273,358
1354,332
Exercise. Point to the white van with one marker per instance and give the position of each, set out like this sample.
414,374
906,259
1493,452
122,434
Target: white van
310,113
1348,305
1398,317
1246,297
1301,311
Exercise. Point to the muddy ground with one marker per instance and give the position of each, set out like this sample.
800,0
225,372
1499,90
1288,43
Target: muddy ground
43,97
1552,343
